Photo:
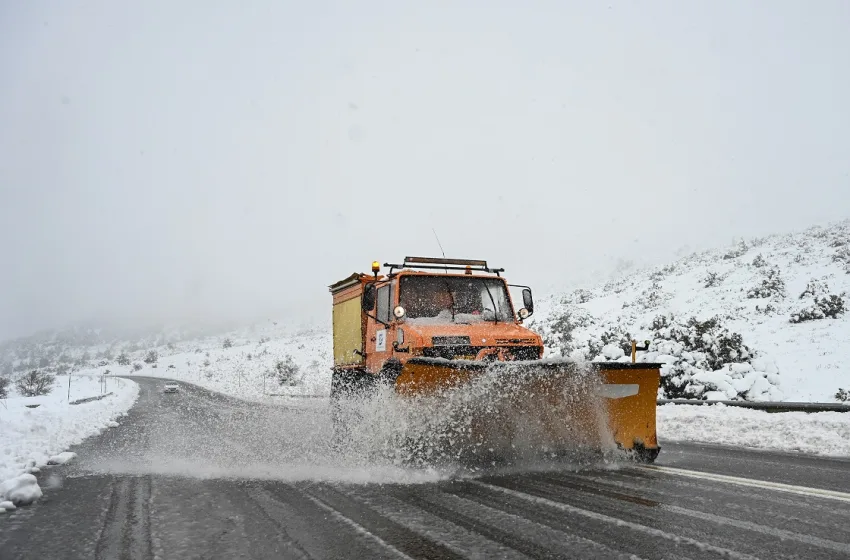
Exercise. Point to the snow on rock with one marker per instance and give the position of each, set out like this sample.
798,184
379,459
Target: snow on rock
824,433
31,438
775,306
21,490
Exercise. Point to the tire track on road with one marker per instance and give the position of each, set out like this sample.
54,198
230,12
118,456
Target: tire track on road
125,533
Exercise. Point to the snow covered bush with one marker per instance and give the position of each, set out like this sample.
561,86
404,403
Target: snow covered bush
137,366
712,279
771,286
842,255
613,344
227,343
738,251
653,297
151,357
823,304
286,371
768,309
581,296
123,359
759,261
558,331
701,360
842,395
830,306
35,383
4,386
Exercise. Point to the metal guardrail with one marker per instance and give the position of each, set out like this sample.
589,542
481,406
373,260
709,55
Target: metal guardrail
768,406
90,399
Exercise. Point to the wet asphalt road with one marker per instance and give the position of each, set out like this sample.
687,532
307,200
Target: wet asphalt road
112,504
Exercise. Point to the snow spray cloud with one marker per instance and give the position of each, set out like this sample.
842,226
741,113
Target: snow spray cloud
510,416
516,414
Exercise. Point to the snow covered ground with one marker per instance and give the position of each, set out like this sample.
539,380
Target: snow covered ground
822,433
249,365
31,438
755,288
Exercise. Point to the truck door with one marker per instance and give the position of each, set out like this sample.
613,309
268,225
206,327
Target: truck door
379,347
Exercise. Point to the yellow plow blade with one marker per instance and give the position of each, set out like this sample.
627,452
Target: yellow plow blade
546,407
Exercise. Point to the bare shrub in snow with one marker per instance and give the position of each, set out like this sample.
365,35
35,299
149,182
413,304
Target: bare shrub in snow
137,366
123,359
151,357
227,343
771,286
768,309
264,339
4,386
35,383
286,371
842,395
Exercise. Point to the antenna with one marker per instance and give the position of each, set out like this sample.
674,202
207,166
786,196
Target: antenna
447,266
438,242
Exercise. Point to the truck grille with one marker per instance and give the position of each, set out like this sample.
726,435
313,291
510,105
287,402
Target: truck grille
450,340
466,352
515,341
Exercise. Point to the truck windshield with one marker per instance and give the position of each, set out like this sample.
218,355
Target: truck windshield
447,299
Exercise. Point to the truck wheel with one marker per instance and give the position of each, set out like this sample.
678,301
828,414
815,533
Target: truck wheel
390,372
646,455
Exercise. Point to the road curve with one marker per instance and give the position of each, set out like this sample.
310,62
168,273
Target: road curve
201,475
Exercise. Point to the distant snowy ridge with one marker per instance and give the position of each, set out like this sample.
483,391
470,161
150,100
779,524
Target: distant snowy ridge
762,320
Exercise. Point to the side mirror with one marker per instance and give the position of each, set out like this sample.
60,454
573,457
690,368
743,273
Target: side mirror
527,301
367,300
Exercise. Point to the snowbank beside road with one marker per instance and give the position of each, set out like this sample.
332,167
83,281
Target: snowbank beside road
822,433
30,438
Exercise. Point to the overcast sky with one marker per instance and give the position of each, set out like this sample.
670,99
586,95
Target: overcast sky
201,159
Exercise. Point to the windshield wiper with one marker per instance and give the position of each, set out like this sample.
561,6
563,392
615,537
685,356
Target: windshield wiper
493,301
449,289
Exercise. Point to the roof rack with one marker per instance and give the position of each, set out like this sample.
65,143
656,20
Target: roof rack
444,264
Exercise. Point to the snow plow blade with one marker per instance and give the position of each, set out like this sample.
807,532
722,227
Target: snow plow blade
557,406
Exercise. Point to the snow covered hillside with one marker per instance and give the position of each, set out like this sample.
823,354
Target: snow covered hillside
761,320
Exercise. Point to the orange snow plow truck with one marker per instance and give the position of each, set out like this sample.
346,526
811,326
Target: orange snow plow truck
431,326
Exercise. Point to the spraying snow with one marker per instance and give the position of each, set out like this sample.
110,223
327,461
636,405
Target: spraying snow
386,437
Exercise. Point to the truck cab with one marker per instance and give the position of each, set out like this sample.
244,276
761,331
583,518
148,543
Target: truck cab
429,307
